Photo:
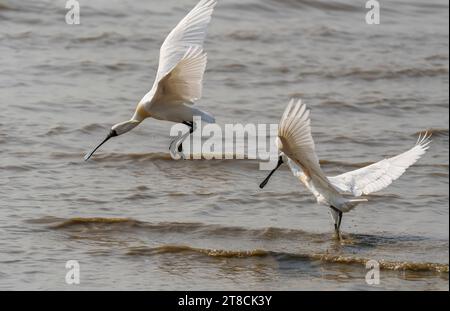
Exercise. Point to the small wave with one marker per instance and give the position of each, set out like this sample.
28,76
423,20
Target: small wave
56,130
243,36
139,196
325,31
79,221
140,157
321,5
233,67
284,256
44,220
112,36
353,140
86,227
180,227
339,104
120,66
384,264
207,230
386,73
17,168
165,156
175,249
154,156
4,7
437,57
95,66
135,157
20,35
92,128
444,175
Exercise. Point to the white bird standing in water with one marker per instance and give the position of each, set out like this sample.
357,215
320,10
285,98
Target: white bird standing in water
178,82
339,193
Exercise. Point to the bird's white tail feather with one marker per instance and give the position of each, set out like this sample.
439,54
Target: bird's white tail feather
350,204
206,117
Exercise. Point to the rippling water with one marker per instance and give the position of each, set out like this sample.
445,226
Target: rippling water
135,219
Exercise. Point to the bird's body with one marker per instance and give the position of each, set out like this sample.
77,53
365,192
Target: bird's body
329,195
179,79
174,92
343,192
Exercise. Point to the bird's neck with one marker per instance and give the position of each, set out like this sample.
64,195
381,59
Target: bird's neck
141,113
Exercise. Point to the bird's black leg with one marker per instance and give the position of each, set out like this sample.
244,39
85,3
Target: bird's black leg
191,130
338,232
337,224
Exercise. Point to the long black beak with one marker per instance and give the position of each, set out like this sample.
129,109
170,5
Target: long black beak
112,133
264,183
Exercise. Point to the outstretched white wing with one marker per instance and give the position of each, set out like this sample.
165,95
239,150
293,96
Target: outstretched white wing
294,133
181,59
379,175
184,82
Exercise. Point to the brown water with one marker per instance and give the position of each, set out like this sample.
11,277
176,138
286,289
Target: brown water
135,219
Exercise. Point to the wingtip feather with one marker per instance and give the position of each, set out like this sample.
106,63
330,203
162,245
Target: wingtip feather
424,140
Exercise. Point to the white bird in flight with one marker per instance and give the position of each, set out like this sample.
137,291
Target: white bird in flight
340,193
178,82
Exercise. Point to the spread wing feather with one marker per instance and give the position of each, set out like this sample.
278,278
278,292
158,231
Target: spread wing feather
183,51
294,133
381,174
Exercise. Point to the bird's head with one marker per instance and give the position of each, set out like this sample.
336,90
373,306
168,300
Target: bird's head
116,130
279,144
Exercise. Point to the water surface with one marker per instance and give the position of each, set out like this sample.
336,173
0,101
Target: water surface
136,219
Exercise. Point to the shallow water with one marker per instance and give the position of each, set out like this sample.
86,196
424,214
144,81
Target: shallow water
135,219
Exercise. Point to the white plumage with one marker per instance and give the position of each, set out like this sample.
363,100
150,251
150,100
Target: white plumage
182,63
179,79
378,176
184,82
295,140
340,193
